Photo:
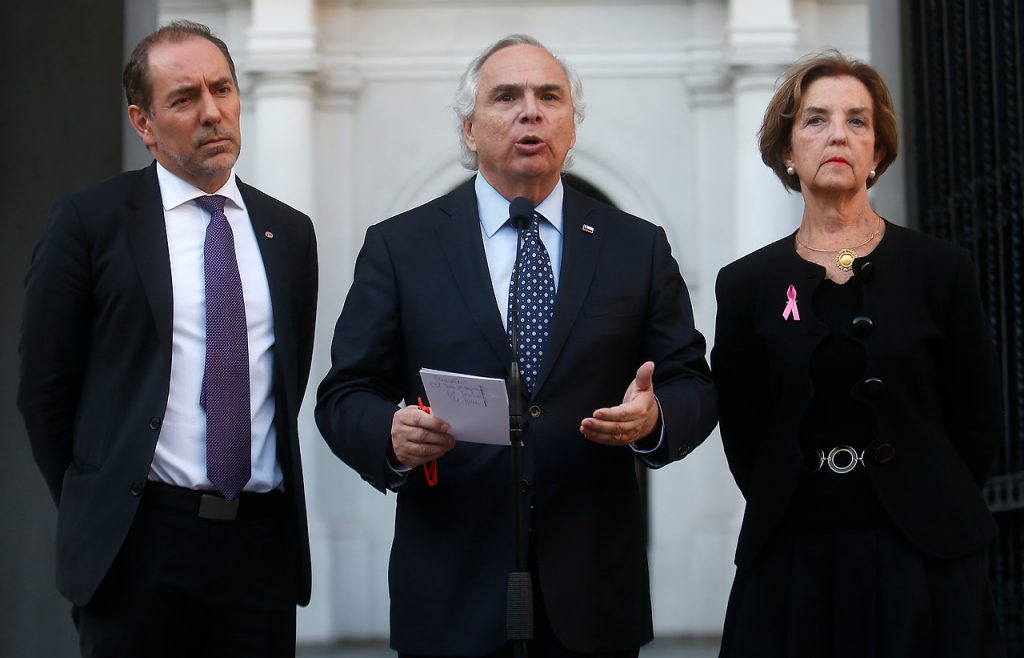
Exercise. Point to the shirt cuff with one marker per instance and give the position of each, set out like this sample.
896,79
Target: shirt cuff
399,472
661,435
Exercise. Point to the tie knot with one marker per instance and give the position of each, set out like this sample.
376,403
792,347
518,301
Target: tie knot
212,204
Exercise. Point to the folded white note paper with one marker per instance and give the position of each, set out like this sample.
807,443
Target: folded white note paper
476,408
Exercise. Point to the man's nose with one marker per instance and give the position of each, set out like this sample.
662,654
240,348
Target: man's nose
209,111
531,110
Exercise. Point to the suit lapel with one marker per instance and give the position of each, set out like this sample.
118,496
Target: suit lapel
147,235
459,235
272,236
580,250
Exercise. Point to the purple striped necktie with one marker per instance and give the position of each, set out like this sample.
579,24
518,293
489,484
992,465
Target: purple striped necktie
225,394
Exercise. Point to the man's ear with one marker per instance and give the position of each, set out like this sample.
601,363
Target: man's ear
142,123
467,135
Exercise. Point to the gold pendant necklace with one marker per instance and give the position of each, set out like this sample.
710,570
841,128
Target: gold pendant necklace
844,256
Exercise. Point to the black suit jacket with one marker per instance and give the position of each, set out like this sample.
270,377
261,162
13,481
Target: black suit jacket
422,297
936,400
96,358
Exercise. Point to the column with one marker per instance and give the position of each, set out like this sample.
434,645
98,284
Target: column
281,64
692,545
351,524
761,38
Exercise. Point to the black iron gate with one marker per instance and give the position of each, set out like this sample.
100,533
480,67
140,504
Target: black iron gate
966,143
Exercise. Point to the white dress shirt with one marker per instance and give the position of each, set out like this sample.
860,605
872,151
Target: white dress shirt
180,457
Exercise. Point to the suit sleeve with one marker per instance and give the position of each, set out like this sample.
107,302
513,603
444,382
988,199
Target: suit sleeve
739,369
969,374
53,346
682,379
360,395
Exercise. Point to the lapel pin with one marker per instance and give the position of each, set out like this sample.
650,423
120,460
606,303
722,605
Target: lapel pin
791,309
587,228
269,234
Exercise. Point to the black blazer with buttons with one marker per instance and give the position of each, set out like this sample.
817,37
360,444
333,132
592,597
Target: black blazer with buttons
96,359
931,379
422,297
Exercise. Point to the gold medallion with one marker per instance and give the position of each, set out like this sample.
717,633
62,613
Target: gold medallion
846,256
844,259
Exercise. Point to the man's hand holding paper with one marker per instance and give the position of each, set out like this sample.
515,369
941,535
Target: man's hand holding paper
418,437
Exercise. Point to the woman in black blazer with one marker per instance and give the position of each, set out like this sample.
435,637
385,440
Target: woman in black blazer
860,407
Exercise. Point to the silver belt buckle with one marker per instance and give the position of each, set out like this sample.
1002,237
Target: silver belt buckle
848,459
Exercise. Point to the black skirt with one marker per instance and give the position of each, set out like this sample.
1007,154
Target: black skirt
859,593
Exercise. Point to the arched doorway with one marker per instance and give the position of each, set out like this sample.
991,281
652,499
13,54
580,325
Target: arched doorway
586,187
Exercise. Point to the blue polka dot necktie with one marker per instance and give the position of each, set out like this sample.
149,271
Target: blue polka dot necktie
535,304
225,393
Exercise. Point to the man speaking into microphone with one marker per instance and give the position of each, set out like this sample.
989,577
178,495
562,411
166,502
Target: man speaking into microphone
611,367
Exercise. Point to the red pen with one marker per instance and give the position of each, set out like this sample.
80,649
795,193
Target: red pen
430,468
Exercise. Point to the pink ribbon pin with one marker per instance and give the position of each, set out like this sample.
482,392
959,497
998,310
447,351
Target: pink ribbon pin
791,308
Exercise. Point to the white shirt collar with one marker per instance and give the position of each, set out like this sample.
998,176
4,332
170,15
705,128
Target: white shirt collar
493,207
174,191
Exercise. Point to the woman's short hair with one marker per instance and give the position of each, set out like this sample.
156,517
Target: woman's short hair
777,128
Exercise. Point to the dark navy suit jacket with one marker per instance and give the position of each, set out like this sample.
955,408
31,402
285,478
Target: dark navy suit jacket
422,297
96,358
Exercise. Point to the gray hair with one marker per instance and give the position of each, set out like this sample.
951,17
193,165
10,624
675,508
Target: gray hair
469,83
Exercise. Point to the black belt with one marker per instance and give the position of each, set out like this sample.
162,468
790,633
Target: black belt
212,505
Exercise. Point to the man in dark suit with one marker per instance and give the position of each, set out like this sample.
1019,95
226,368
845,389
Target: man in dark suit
165,348
602,309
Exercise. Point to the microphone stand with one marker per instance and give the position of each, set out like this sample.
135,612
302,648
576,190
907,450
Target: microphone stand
519,591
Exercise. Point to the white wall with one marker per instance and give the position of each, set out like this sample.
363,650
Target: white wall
675,91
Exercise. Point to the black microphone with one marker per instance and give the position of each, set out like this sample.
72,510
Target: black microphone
520,212
519,588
